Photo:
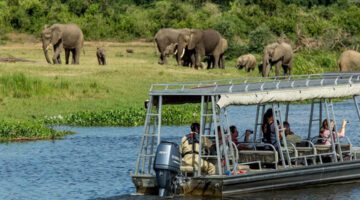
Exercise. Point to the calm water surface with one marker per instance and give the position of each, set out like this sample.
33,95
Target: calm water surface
96,162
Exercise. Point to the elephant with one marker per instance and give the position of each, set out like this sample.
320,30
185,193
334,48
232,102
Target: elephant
211,61
247,61
164,37
349,61
277,54
67,36
205,43
101,56
185,59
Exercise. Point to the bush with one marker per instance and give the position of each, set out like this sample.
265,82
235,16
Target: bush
259,38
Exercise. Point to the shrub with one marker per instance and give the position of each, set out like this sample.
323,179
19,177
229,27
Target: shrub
259,38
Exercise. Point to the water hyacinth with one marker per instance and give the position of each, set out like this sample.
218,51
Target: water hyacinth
171,115
30,130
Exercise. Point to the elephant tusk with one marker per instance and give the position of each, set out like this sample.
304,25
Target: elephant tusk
182,54
175,52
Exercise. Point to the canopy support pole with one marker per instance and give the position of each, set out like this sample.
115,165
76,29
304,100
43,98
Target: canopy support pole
357,106
331,132
276,115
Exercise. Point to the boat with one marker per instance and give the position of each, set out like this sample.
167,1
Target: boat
159,170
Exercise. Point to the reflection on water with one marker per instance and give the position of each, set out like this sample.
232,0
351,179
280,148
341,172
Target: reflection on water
96,162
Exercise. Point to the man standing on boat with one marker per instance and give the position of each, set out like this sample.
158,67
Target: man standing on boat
189,149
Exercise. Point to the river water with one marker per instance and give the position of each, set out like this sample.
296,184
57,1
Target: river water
96,162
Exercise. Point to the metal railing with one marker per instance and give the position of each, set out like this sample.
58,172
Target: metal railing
260,83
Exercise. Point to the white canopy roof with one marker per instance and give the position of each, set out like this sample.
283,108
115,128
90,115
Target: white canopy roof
261,90
286,95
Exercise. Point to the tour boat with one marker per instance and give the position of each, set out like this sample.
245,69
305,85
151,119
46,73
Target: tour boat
159,169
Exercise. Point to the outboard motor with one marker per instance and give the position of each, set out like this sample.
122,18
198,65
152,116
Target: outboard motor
166,166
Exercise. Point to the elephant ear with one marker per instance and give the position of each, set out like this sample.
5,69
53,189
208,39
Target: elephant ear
56,36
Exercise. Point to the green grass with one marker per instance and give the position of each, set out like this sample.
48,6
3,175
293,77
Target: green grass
88,94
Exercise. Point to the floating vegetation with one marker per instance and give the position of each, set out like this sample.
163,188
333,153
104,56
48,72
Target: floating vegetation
29,130
175,115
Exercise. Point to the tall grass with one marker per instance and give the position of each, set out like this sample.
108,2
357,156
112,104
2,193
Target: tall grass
18,85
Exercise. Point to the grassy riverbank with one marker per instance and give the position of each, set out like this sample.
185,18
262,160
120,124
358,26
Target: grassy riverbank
111,95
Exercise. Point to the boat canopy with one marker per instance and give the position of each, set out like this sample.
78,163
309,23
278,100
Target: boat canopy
262,90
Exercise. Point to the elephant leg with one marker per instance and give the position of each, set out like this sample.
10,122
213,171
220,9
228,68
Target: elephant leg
59,59
67,54
99,59
216,61
56,57
76,56
197,61
277,69
285,68
222,62
72,56
209,62
192,63
163,58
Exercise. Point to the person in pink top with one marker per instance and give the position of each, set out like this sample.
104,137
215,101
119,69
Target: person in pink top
325,131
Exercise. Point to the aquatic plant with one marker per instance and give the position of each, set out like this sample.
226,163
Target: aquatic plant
174,115
29,130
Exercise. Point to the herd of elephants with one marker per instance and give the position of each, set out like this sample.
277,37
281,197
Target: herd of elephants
190,47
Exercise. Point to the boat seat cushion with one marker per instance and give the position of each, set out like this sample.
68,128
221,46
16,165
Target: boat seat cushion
303,151
345,147
256,155
321,148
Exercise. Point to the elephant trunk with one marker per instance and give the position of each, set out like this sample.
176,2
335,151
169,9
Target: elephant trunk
46,54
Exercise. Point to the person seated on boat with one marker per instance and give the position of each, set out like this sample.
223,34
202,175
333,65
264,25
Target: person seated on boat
234,134
268,128
290,136
189,149
246,144
325,131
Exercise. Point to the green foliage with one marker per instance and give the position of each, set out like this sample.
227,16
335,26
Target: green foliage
30,130
240,21
259,38
311,62
133,116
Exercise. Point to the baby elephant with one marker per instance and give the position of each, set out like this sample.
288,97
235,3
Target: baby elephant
100,54
248,61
